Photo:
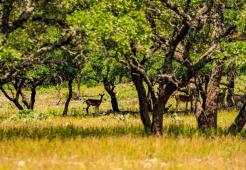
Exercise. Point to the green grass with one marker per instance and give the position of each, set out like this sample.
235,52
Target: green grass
112,142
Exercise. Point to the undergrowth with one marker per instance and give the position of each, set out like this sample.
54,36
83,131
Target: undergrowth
28,115
72,131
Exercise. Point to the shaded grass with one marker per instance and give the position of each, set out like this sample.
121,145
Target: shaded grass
72,131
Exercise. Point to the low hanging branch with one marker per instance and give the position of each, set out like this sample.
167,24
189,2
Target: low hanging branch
35,58
15,97
8,6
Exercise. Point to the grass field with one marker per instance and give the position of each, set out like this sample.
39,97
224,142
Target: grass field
113,141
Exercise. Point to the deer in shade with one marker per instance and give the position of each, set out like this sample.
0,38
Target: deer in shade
182,98
187,96
94,102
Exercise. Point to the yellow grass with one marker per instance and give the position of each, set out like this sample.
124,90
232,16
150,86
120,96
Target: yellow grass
124,152
107,142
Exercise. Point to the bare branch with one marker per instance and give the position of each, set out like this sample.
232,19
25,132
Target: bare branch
25,15
174,8
167,78
7,8
68,38
50,21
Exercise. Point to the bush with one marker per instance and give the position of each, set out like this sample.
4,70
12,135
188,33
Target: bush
29,115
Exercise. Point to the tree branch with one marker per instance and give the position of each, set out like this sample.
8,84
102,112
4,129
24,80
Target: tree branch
174,8
25,15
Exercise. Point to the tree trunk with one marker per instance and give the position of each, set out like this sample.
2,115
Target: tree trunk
204,99
69,97
33,97
150,107
17,104
212,95
114,102
109,87
239,122
78,89
231,84
14,100
159,108
200,116
24,100
143,101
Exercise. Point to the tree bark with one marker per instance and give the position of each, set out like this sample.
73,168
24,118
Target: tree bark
33,97
14,100
231,85
114,102
239,122
159,107
78,89
17,104
24,100
200,116
69,97
203,92
150,107
109,87
143,101
212,95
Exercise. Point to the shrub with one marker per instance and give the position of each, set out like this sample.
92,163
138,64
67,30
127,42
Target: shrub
29,115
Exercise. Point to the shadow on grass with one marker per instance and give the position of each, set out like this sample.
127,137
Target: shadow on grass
71,131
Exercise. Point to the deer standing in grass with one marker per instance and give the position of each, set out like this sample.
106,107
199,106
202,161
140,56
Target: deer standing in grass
182,98
94,102
186,97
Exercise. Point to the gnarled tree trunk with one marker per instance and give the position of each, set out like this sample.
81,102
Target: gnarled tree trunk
212,95
15,98
143,101
159,107
109,87
231,84
69,97
239,122
33,97
78,89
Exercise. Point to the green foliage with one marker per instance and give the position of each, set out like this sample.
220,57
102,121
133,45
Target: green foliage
29,115
39,71
52,34
240,19
121,117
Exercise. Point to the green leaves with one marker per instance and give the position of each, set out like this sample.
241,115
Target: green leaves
51,35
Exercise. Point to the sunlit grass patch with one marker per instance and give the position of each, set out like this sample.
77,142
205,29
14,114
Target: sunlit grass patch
124,152
115,141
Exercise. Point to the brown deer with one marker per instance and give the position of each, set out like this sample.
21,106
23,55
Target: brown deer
187,96
94,102
182,98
